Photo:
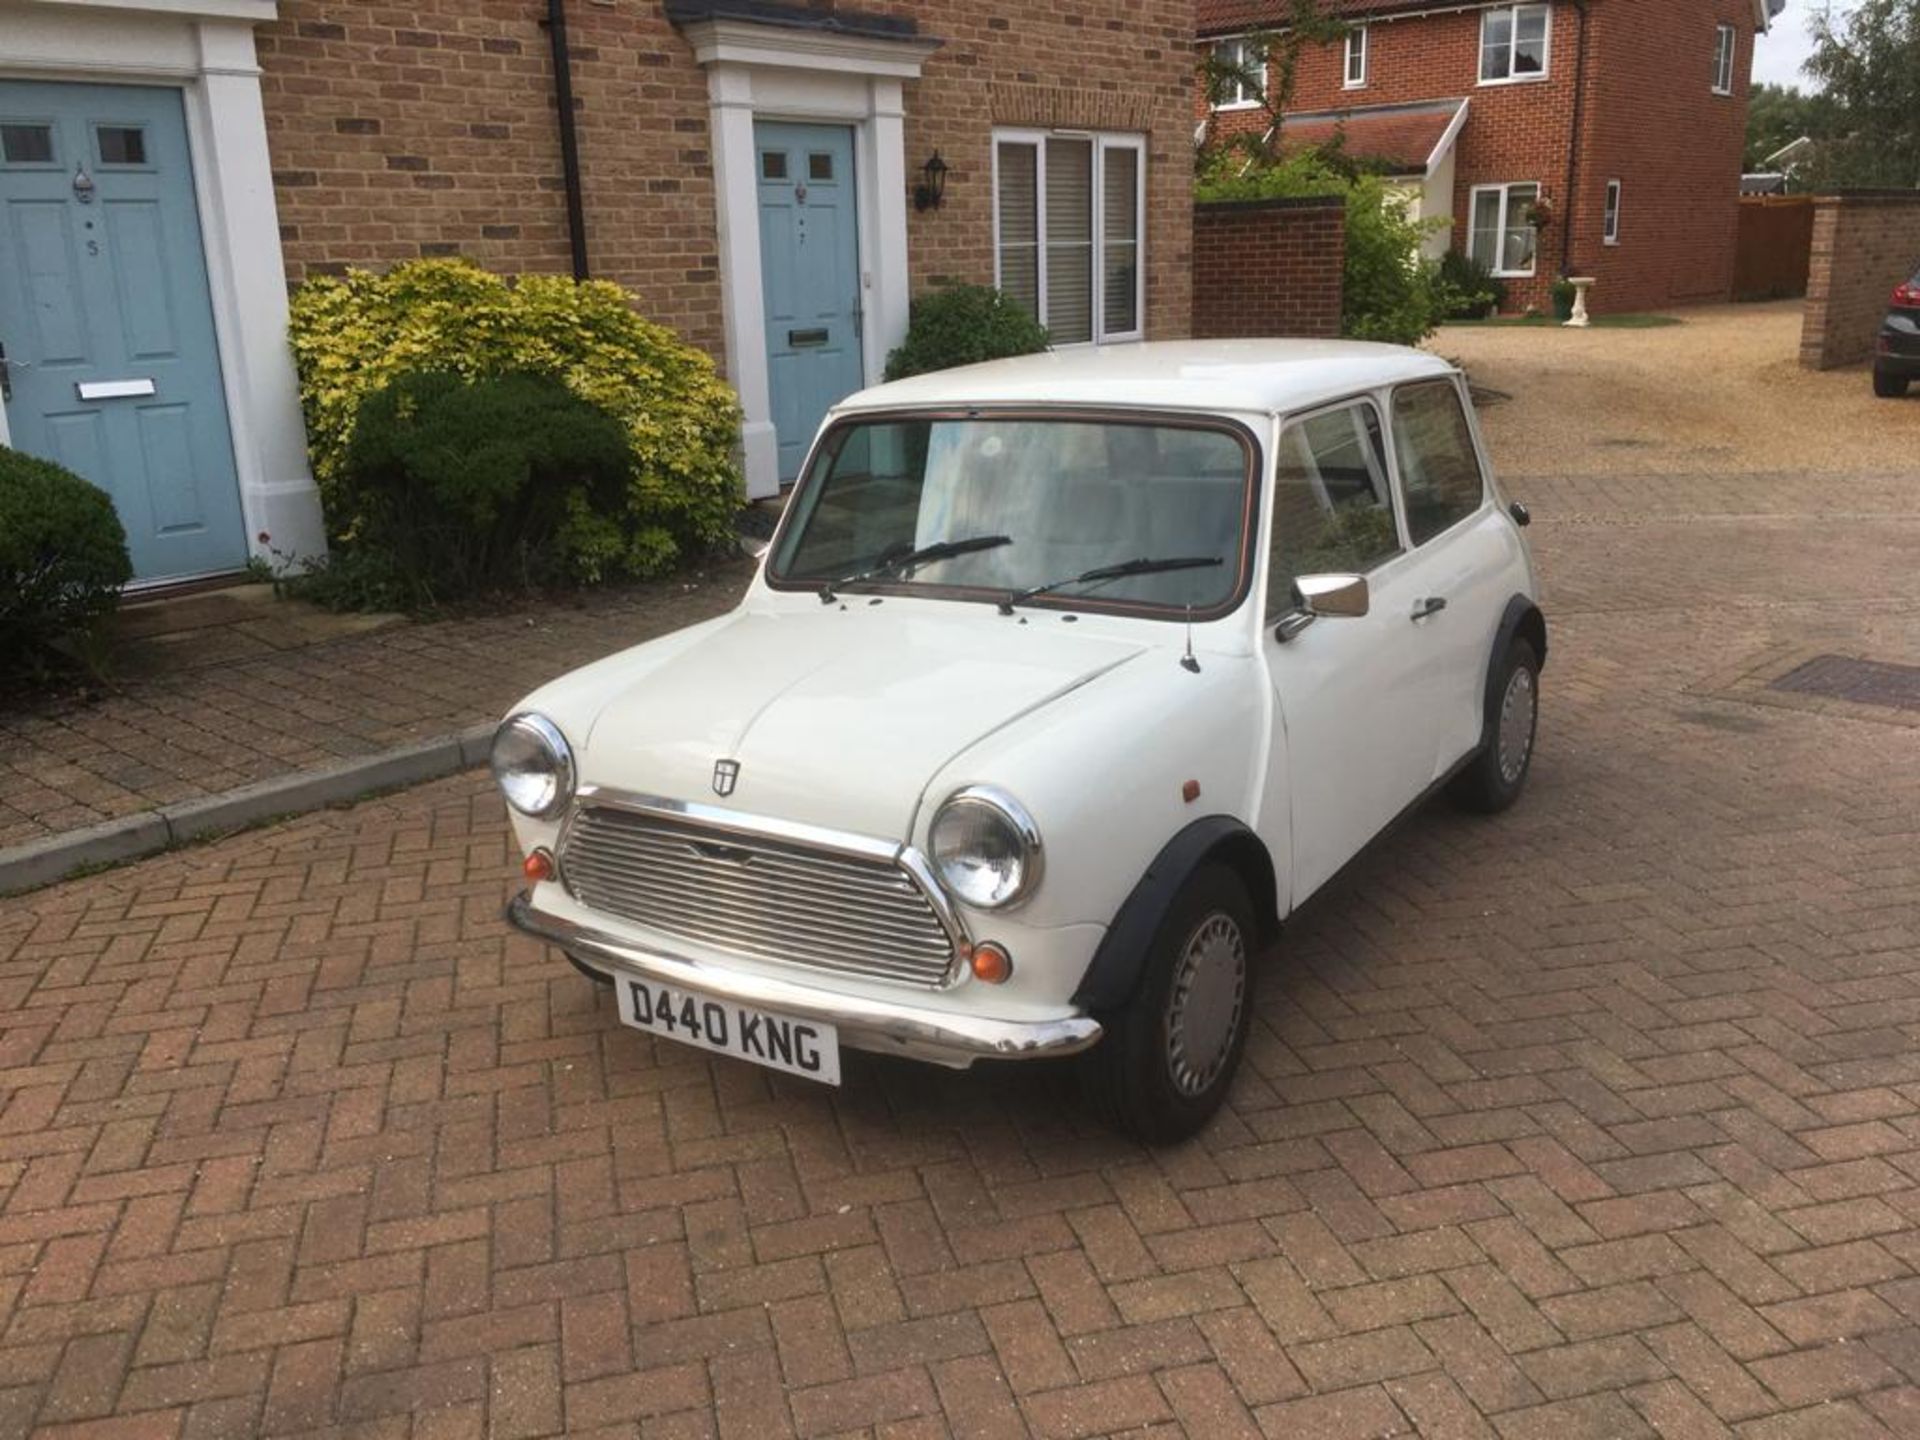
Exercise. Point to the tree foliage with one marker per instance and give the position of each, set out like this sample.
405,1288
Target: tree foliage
1777,115
1866,62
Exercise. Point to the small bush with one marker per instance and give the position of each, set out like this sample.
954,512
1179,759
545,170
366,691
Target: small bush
1466,289
63,559
1387,290
352,336
460,488
963,325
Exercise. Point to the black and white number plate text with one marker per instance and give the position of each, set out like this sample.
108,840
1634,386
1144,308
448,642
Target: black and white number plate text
800,1047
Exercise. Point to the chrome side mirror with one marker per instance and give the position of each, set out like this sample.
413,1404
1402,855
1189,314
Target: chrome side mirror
1332,596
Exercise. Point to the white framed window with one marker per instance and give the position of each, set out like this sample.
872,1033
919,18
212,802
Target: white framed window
1356,57
1514,43
1502,235
1069,223
1242,65
1610,231
1725,43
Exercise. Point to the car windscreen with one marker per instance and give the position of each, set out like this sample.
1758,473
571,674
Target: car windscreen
1068,494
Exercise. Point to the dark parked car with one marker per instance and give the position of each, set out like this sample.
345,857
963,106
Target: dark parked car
1896,359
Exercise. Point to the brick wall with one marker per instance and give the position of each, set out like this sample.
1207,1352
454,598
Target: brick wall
428,129
1649,119
1864,244
1654,123
1268,267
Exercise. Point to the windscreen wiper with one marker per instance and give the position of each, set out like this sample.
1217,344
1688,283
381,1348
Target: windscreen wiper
1103,573
912,559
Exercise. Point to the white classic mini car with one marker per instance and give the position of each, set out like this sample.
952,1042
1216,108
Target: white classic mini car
1063,681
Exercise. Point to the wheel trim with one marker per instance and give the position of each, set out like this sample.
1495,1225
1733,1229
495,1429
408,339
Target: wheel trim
1204,1005
1515,740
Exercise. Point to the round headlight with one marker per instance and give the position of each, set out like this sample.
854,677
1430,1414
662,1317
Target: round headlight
533,766
985,848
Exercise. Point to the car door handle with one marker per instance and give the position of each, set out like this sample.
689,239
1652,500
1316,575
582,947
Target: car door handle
1432,605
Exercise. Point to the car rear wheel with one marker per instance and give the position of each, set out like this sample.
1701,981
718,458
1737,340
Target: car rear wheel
1169,1057
1887,385
1497,775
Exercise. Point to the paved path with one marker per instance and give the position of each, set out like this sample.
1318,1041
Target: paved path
191,732
1601,1119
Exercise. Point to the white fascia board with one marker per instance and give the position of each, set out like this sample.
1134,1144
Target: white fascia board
256,11
1447,138
741,42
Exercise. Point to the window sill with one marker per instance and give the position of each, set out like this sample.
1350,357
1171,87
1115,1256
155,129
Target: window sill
1613,244
1354,85
1722,94
1236,107
1539,79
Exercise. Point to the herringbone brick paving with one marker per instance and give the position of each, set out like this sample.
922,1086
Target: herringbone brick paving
1598,1119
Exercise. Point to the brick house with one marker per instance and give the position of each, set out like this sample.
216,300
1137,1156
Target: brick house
1627,117
755,171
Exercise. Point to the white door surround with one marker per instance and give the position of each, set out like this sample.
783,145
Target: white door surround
773,72
205,48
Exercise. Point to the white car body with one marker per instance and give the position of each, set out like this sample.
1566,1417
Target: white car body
854,720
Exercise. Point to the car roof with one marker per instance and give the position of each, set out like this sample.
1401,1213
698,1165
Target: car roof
1271,376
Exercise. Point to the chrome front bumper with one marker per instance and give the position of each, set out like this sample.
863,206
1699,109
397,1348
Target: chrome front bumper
888,1027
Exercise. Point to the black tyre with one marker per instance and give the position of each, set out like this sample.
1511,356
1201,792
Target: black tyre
1169,1057
1887,385
1498,774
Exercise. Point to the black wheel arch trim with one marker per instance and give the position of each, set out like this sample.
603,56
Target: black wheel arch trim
1522,618
1114,973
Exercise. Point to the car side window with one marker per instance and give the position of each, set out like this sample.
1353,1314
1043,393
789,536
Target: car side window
1440,477
1332,505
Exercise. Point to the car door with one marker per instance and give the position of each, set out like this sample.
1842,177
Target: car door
1463,558
1352,742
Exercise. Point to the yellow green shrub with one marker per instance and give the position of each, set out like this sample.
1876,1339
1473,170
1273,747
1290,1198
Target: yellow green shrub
353,334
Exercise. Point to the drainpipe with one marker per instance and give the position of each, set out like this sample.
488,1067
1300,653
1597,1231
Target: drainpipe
569,134
1573,142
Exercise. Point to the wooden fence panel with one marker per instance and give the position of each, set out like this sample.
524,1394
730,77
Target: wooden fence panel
1774,245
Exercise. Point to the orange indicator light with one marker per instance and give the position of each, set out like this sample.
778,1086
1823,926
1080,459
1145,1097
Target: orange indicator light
539,866
1190,791
992,963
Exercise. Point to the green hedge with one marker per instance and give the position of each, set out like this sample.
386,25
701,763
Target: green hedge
63,559
354,335
964,325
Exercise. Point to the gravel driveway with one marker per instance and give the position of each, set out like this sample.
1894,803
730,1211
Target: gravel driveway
1722,392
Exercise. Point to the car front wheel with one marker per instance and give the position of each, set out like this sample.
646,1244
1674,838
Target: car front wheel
1170,1056
1887,385
1497,775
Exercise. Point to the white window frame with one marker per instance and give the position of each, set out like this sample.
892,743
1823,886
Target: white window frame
1610,225
1726,47
1357,49
1505,192
1246,102
1512,12
1103,141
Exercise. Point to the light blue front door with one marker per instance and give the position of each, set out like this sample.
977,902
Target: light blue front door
810,267
106,318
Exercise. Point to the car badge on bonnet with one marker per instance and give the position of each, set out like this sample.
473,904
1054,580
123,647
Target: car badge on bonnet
725,773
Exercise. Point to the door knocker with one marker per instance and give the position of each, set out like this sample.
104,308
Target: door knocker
82,185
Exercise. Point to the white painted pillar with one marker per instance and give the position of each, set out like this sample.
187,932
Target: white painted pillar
887,304
742,296
240,232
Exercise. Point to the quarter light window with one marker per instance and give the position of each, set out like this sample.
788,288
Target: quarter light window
1723,51
1240,67
1440,476
1502,235
1332,506
1068,246
1514,43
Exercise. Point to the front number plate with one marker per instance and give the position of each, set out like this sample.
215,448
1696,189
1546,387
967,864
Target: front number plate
800,1047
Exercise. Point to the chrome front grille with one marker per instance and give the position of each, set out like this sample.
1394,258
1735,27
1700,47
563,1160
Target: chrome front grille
849,908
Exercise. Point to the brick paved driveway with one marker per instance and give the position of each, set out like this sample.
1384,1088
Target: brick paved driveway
1601,1119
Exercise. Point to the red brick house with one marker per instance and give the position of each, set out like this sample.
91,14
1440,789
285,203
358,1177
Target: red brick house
1622,120
755,171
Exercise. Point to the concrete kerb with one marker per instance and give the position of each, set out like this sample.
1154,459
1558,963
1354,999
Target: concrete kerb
130,837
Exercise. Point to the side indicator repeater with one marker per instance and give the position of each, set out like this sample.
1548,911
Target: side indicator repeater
539,866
